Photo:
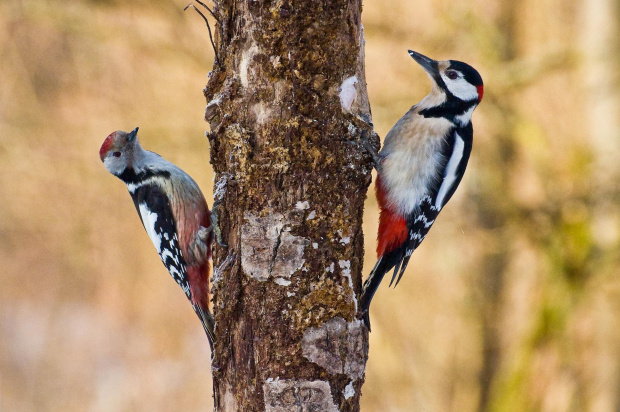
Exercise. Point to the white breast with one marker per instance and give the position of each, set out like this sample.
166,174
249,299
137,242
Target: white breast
412,158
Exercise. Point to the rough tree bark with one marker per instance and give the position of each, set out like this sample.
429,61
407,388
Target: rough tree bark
283,105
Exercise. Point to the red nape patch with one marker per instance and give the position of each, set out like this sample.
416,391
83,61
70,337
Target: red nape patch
480,92
105,147
392,227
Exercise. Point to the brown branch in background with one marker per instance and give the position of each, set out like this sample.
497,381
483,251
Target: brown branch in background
217,58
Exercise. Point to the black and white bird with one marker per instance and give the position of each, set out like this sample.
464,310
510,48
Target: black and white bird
174,214
420,165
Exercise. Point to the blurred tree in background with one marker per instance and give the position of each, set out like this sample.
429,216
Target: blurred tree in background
509,305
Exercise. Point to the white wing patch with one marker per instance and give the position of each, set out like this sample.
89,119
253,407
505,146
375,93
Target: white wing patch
149,219
450,175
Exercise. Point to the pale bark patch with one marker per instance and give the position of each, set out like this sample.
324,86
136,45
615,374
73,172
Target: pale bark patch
268,249
262,113
246,60
349,391
229,403
348,93
337,346
298,395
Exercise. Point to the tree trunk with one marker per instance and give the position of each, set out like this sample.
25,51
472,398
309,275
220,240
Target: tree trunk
291,178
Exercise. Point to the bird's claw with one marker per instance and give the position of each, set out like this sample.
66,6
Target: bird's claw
215,224
369,147
366,119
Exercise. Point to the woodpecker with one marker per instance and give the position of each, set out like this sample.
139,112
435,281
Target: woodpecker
174,214
420,165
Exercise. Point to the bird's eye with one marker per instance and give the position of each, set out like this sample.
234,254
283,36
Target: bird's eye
452,75
116,154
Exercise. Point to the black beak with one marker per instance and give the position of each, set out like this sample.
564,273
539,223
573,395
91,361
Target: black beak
427,64
132,135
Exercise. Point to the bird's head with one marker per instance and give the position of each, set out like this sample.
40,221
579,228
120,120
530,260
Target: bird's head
118,150
453,78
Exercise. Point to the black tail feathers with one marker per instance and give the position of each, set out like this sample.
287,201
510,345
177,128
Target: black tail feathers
402,265
366,319
208,324
396,258
370,287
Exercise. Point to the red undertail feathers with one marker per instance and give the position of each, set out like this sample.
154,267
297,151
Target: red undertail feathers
392,226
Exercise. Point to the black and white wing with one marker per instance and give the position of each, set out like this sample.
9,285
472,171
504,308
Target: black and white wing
456,152
153,206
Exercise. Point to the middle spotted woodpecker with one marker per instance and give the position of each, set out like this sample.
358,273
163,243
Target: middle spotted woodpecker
421,164
173,212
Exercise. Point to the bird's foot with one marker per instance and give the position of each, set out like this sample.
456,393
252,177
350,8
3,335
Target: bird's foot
369,148
215,226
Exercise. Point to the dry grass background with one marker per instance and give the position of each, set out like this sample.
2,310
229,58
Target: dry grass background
511,304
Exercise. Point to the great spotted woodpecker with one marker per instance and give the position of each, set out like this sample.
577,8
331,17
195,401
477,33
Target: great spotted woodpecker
172,210
421,164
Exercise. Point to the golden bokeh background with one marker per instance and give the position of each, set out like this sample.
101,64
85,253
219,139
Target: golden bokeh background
512,303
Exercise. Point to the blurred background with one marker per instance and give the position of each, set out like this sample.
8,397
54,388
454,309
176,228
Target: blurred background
511,304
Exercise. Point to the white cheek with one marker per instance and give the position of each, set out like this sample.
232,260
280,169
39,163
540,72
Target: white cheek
461,89
114,165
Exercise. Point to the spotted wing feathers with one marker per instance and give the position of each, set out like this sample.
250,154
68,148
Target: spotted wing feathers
154,209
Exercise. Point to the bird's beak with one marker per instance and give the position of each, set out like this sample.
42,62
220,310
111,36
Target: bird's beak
132,135
427,64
